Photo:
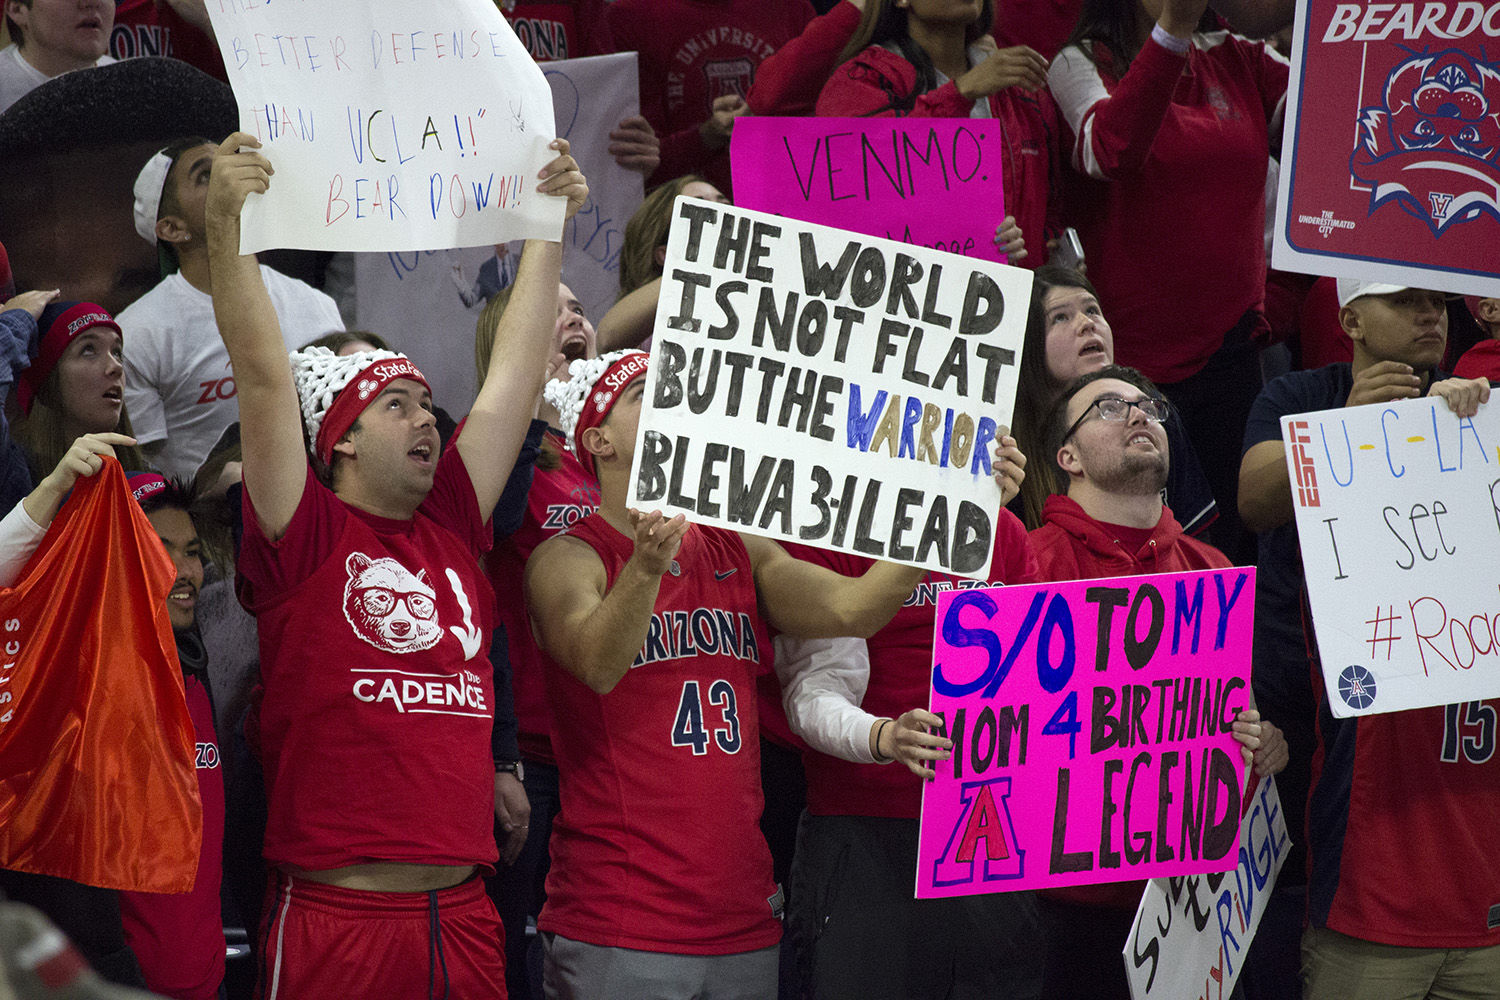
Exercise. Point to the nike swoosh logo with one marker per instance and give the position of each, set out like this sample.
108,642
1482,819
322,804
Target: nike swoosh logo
726,574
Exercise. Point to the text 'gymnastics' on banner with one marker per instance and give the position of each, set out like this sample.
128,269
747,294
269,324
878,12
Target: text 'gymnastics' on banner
836,390
1192,932
1390,166
935,182
1091,723
391,125
1398,514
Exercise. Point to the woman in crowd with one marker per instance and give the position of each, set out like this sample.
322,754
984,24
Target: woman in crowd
74,386
1068,336
1172,131
70,397
628,322
935,58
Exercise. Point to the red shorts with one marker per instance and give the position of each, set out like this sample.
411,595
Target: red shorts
319,941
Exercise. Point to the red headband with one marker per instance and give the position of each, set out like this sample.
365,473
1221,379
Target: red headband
145,484
357,395
602,398
64,328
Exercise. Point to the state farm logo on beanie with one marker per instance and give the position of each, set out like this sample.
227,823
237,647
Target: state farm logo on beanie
597,381
334,390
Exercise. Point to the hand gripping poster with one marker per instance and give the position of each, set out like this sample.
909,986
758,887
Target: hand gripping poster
1391,158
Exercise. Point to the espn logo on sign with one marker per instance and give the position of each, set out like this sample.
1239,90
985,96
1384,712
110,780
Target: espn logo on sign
1302,465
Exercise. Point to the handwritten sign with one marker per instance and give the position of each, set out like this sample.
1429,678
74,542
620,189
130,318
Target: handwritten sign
1091,728
590,97
1398,513
1389,170
1192,932
934,182
392,125
837,390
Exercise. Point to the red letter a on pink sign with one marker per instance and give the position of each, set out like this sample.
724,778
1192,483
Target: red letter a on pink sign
984,824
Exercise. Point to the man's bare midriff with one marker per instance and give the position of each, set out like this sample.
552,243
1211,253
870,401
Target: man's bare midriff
388,876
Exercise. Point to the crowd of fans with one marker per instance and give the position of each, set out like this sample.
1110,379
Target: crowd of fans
567,803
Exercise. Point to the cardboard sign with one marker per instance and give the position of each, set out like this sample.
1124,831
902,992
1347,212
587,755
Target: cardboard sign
1091,727
1398,513
934,182
391,125
590,97
408,296
837,390
1391,160
1192,932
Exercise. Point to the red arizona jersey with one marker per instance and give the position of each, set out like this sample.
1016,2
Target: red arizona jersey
900,679
1401,826
559,498
377,698
179,937
658,846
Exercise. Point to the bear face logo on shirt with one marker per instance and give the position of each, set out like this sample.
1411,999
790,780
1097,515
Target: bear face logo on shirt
388,607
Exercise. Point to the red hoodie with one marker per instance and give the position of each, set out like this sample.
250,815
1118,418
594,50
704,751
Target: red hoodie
1071,545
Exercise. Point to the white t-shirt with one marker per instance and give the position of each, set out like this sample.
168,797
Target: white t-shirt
178,383
18,77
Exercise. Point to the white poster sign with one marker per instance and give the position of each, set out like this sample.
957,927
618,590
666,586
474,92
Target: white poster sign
392,125
1191,934
1398,512
823,387
589,98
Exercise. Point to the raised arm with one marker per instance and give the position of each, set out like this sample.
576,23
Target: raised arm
813,602
492,436
1114,131
275,460
629,321
594,631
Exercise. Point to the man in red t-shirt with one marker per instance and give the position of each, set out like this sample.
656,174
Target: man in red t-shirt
179,938
661,880
374,616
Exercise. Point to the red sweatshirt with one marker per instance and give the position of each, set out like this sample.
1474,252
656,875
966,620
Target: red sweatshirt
1071,545
1173,217
789,82
692,51
879,82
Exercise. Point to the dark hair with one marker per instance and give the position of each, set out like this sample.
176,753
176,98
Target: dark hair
16,34
1037,390
176,495
884,23
340,339
168,205
1057,419
1112,25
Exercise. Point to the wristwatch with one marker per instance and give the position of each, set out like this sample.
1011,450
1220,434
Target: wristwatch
515,767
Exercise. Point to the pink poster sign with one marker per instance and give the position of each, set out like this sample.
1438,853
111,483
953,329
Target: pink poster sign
1091,727
934,182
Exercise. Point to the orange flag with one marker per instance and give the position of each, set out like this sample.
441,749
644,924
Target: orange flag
97,780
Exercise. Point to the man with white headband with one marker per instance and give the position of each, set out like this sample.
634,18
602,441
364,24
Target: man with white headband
661,881
374,618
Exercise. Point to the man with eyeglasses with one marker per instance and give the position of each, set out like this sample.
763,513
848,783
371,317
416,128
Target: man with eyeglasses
1403,896
1106,438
